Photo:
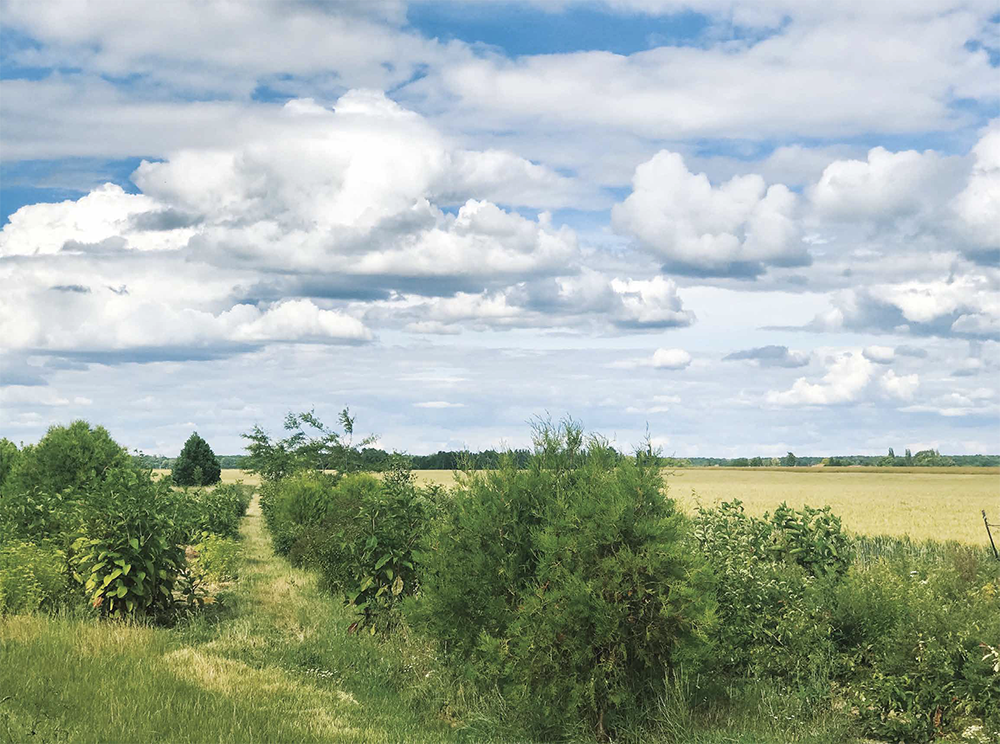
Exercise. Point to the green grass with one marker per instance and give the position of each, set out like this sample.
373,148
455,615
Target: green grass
272,662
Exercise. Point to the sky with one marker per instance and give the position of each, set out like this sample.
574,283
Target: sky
748,227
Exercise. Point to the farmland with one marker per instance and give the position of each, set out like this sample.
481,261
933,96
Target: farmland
924,503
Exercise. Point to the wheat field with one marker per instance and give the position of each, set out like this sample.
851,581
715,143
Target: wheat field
924,503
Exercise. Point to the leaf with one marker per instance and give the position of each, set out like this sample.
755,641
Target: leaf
397,586
134,543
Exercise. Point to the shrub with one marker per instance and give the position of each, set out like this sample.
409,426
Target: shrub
371,536
72,457
295,504
218,510
9,453
569,585
911,636
217,558
128,558
773,574
32,577
196,465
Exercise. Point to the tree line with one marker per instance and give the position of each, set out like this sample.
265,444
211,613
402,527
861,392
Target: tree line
377,460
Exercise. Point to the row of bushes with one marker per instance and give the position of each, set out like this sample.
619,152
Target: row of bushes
80,522
572,589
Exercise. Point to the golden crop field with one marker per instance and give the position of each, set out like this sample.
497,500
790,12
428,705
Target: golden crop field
924,503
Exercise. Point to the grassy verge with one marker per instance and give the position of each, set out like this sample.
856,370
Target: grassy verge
272,662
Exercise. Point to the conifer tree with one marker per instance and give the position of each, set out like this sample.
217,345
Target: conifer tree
197,465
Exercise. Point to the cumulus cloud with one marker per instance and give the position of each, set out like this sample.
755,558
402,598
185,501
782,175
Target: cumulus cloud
879,354
845,382
671,359
362,200
978,205
965,306
771,356
901,387
734,229
649,304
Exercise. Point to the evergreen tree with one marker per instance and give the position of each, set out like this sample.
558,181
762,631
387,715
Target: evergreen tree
197,465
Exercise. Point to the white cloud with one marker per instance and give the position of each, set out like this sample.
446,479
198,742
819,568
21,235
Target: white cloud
438,404
978,205
671,359
887,186
735,228
902,387
845,381
650,303
879,354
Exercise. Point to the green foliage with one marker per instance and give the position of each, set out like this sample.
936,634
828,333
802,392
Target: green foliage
216,511
771,624
197,464
358,530
72,457
310,445
568,585
217,558
128,558
32,577
913,635
377,539
9,454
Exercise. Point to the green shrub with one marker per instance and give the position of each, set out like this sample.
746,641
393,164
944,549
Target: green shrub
218,558
72,457
296,503
43,494
196,465
371,536
218,510
32,577
772,580
129,558
569,585
912,635
9,454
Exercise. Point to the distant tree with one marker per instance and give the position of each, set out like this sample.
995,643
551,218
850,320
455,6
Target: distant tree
196,465
908,457
740,462
756,462
789,460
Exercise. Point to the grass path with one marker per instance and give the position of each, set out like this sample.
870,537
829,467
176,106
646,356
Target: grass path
273,663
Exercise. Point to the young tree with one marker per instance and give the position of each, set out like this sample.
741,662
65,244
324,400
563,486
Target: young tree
67,457
197,464
311,445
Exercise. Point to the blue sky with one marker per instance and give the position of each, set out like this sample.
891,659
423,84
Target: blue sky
754,226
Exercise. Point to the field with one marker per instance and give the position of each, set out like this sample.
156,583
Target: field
924,503
372,609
